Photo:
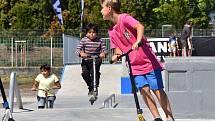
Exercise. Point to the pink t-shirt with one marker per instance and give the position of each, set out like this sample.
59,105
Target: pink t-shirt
123,35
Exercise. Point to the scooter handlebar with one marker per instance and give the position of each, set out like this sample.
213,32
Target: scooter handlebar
119,57
92,57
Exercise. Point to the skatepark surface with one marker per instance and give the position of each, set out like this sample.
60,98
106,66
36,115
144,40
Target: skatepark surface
72,103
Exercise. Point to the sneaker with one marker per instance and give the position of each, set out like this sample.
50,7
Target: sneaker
158,119
90,93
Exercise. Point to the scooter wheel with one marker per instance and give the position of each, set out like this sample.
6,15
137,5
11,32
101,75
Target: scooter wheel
92,99
91,102
10,119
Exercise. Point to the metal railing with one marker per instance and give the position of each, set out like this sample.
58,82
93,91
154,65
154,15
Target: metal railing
110,102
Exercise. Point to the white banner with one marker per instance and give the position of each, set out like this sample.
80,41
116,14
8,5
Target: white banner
159,45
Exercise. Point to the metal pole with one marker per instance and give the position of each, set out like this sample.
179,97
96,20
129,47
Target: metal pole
25,52
162,31
64,49
51,51
94,74
82,17
16,55
21,53
12,51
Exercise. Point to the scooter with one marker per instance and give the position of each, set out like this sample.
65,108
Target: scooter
5,105
94,96
46,97
139,110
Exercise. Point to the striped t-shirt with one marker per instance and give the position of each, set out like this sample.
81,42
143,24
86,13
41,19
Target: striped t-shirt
90,47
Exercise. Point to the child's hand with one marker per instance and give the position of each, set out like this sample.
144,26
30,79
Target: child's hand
55,87
102,55
83,55
135,46
33,89
114,58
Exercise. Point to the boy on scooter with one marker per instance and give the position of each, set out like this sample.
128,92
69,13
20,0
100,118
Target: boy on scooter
91,45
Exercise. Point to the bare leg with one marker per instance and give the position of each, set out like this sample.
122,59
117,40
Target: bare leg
170,54
150,102
174,54
164,102
184,53
189,47
189,52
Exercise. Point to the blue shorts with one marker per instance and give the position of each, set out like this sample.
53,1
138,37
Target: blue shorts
152,79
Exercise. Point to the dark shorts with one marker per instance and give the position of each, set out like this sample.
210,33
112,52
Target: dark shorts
183,44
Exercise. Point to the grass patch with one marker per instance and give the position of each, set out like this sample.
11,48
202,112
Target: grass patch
21,79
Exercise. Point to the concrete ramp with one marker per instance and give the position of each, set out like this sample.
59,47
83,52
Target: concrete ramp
74,85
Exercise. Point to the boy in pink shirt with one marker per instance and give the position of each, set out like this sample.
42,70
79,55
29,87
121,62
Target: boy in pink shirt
126,33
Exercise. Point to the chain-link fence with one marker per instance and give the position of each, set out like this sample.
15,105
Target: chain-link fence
30,48
32,51
23,51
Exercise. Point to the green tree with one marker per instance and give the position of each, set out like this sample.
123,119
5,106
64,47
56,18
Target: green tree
142,10
200,12
177,12
74,11
39,14
173,12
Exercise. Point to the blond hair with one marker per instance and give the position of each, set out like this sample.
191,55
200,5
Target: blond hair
114,4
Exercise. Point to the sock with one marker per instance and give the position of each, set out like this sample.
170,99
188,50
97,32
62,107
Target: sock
157,119
170,119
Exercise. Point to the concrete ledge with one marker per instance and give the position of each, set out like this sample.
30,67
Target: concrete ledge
190,86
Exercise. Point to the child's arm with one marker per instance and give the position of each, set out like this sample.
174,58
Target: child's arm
117,52
83,54
35,85
80,49
177,43
57,85
140,30
102,55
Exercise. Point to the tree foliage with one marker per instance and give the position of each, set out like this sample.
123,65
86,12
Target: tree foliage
177,12
39,14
